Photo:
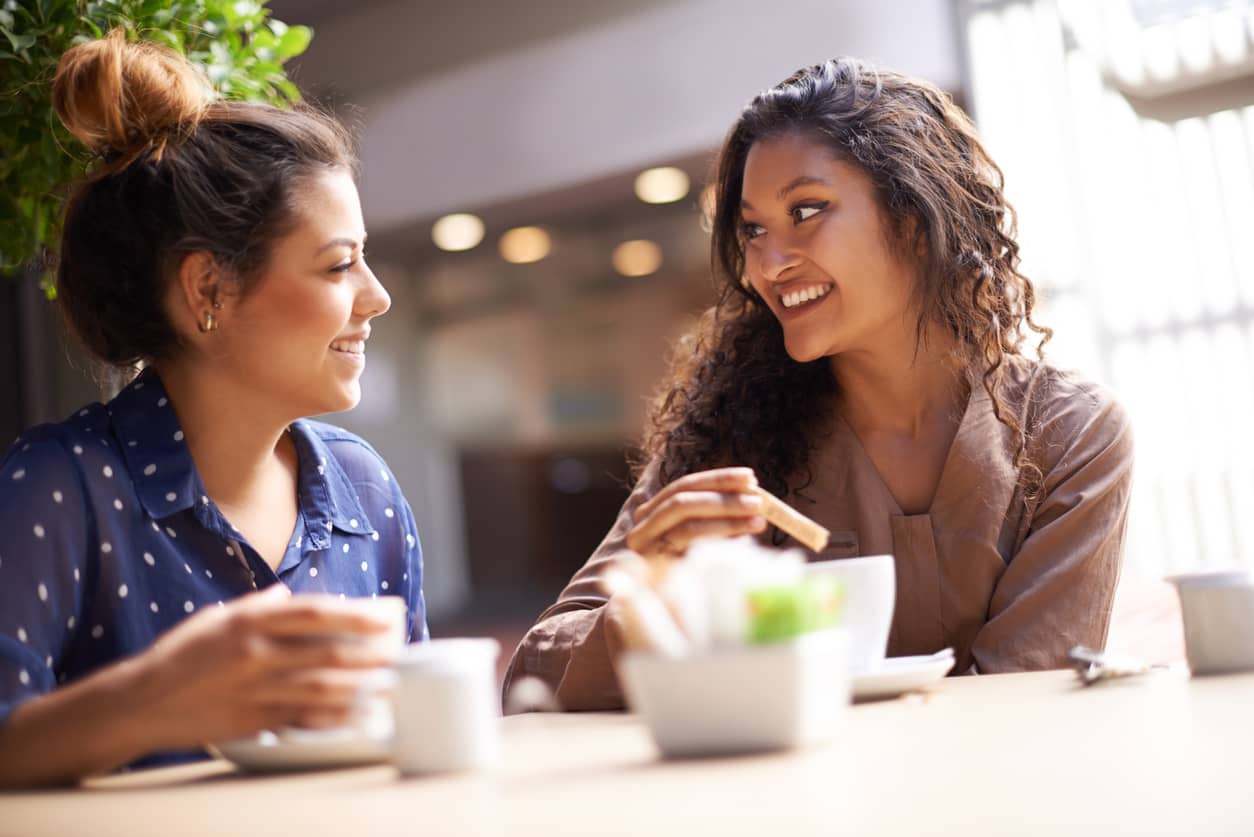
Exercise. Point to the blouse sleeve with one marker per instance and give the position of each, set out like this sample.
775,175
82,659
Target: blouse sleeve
43,570
570,648
1056,591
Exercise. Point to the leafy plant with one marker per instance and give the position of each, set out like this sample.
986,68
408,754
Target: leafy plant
238,45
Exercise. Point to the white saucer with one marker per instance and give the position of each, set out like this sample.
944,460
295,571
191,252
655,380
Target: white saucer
898,675
304,750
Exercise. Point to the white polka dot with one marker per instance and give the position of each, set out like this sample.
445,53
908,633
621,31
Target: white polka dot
117,504
97,632
139,385
122,591
187,567
78,449
43,592
107,471
328,526
405,577
150,469
178,435
25,448
364,566
299,539
383,473
345,547
321,470
208,574
161,402
21,634
57,497
152,562
169,531
132,443
353,523
170,496
76,573
106,547
409,539
188,607
82,412
19,473
230,551
389,513
322,459
384,585
204,501
374,536
69,624
313,572
155,527
153,607
24,677
38,530
48,661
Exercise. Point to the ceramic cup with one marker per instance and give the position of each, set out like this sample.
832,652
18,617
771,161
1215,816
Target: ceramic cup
1218,613
446,706
870,585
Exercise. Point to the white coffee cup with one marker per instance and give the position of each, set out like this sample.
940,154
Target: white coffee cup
446,706
870,585
1218,613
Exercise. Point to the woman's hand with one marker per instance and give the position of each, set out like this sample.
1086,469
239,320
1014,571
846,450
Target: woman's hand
266,660
720,503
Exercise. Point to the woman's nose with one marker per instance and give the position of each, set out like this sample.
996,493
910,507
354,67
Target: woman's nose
373,300
777,259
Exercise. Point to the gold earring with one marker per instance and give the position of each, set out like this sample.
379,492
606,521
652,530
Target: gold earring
208,325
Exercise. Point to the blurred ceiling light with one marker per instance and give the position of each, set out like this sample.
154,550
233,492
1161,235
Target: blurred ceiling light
460,231
524,245
638,257
661,185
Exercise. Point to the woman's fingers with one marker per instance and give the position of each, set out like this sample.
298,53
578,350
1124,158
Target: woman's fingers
681,509
726,480
316,689
313,615
681,536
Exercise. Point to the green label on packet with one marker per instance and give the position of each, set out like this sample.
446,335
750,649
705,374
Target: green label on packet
782,612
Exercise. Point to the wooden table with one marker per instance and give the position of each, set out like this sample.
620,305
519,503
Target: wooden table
1008,754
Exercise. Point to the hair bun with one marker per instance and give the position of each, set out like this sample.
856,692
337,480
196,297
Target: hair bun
125,97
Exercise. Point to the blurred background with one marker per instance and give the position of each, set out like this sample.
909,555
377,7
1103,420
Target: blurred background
532,177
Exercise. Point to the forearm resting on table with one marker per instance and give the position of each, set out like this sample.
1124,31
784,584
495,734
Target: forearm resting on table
66,735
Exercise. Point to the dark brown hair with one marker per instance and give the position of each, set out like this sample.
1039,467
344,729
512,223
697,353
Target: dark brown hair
734,395
177,172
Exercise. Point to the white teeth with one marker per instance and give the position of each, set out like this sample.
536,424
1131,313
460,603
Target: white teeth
795,298
355,347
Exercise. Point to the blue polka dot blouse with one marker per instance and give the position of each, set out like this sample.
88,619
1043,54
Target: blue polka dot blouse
109,538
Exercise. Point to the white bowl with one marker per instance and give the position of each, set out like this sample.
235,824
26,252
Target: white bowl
743,699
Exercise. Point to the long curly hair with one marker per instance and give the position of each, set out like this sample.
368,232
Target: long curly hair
733,395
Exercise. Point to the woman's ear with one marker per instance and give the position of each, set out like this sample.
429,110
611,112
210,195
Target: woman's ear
197,297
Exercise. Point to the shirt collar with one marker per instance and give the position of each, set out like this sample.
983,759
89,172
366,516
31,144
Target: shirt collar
156,454
328,499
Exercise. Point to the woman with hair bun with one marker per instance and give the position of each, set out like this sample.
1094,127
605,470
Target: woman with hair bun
151,544
865,362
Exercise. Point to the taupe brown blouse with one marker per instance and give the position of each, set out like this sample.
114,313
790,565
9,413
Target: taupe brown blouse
1011,582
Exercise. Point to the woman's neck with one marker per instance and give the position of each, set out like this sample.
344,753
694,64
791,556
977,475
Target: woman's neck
239,444
892,389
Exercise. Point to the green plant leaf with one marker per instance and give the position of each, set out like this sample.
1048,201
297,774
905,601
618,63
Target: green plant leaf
294,41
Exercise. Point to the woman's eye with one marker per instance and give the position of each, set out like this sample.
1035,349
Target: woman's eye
802,213
750,231
343,267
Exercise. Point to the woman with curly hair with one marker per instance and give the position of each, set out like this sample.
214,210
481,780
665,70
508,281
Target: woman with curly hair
865,362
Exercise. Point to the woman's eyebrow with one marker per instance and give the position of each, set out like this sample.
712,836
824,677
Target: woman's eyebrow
340,242
795,183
